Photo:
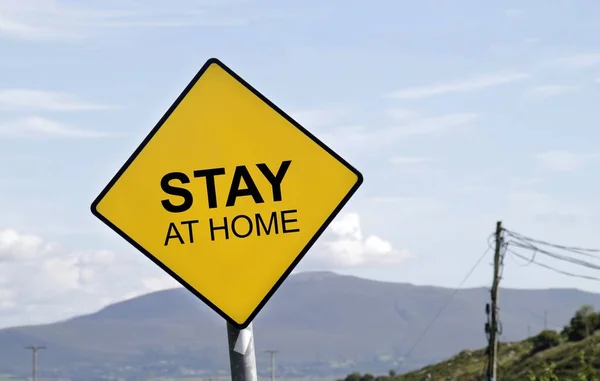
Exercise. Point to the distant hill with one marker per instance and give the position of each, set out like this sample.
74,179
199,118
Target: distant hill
323,324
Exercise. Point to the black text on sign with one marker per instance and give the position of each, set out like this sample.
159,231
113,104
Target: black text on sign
227,226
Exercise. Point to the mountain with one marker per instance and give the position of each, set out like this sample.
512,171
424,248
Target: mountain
323,324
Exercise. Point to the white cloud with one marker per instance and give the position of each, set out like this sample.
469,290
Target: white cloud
27,99
551,90
466,85
41,281
7,299
158,283
564,161
37,127
580,60
60,20
344,245
15,246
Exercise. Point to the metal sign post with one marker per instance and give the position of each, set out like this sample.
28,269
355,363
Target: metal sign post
242,356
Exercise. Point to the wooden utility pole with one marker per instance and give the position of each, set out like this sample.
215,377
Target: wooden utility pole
493,343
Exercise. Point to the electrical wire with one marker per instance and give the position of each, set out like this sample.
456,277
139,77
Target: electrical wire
532,261
573,249
450,299
527,243
556,255
529,261
530,243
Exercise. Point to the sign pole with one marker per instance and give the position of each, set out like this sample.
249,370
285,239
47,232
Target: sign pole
242,356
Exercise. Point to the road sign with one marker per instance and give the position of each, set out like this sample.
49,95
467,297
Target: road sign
227,193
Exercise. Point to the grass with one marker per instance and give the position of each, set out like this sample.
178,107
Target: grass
514,362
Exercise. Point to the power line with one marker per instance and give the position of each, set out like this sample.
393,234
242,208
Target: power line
568,248
554,255
521,241
535,262
450,299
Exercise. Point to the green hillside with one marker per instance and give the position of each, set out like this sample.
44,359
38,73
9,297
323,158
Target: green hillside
569,355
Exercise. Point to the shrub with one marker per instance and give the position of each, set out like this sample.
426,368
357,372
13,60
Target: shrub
367,377
545,340
582,324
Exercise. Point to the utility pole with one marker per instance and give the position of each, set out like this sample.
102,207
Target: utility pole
493,325
272,352
34,349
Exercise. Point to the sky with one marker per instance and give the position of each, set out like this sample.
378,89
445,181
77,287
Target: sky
458,114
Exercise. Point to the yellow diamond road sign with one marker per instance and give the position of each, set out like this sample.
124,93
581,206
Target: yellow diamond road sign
227,193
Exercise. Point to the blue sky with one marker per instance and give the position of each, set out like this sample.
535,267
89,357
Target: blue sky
457,113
